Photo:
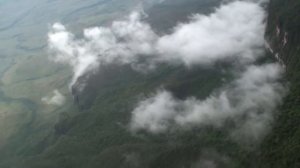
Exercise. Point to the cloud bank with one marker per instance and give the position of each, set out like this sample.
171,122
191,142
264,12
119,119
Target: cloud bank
234,30
249,101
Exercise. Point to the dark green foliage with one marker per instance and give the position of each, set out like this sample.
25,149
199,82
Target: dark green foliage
98,134
282,147
164,16
95,132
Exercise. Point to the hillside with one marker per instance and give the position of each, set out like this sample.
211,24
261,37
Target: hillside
282,148
171,84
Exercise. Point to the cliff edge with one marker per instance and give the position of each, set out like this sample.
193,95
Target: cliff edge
282,148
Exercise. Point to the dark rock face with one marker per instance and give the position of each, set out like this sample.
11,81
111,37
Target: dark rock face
283,30
282,147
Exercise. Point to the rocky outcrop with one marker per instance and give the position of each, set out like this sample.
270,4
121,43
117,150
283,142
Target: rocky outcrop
281,149
283,31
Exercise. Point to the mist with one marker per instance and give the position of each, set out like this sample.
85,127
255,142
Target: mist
55,98
233,33
249,101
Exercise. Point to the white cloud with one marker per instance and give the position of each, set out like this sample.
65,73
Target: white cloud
56,99
122,43
69,51
234,30
156,113
249,101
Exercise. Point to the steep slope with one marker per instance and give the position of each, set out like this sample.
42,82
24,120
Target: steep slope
282,148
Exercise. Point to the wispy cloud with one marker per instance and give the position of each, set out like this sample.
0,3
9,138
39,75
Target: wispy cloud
56,98
249,102
234,30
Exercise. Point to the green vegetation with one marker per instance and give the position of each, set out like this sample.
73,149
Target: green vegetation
94,132
282,147
97,135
